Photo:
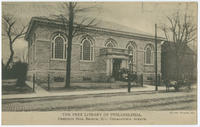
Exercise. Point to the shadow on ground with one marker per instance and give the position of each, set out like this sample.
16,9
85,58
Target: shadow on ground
14,89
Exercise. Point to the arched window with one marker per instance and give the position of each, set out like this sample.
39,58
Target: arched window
86,49
59,47
149,54
110,43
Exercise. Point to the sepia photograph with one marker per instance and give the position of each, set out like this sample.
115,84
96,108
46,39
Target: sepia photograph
73,62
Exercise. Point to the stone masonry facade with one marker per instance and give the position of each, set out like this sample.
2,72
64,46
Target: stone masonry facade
41,63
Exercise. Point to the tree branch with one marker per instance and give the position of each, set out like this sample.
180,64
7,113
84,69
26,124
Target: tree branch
21,33
12,33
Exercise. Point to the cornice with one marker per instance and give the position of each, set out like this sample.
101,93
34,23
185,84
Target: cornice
39,20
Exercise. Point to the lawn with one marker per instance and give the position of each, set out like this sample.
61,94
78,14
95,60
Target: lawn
59,86
10,87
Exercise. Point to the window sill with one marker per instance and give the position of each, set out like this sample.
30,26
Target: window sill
58,59
87,61
134,64
148,64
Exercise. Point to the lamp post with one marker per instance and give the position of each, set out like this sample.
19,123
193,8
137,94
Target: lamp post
130,71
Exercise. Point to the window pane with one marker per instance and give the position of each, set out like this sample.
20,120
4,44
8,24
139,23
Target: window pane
81,53
148,56
86,50
92,50
52,47
65,51
59,47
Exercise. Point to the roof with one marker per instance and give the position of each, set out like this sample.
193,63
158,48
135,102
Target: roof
104,26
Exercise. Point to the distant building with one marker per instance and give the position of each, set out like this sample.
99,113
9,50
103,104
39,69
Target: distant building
188,63
97,53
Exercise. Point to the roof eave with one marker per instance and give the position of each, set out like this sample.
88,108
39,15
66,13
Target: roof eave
29,29
37,19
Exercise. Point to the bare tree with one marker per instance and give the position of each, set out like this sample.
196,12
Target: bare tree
180,31
73,28
13,32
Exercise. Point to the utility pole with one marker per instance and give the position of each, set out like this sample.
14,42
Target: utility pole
69,48
156,80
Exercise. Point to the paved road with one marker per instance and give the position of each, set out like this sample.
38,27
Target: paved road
106,102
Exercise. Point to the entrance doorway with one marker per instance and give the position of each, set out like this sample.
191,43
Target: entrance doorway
116,68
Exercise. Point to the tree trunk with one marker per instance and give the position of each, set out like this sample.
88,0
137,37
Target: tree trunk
10,58
177,67
69,49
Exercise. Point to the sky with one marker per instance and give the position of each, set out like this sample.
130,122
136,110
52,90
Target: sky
141,16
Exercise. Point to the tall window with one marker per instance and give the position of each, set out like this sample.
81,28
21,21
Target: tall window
149,55
59,47
86,50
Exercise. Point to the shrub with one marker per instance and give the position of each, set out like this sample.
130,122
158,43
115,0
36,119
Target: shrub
124,75
87,79
111,79
59,79
7,72
19,71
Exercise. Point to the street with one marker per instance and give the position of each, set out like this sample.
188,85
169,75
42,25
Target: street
121,101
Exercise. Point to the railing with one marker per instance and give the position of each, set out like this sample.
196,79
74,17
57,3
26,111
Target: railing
113,51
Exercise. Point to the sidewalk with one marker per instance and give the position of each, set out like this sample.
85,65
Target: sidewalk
40,92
